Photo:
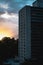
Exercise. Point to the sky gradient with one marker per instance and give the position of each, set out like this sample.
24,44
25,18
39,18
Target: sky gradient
9,16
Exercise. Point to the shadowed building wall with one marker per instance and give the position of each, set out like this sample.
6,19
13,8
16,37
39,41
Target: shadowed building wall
37,32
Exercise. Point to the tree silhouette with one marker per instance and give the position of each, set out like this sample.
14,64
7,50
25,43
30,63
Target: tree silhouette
8,48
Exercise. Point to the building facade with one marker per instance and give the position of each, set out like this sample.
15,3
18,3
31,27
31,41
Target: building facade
24,34
31,33
37,33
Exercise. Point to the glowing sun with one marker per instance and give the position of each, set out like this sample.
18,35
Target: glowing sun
5,33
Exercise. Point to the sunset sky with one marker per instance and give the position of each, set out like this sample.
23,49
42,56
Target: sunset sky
9,16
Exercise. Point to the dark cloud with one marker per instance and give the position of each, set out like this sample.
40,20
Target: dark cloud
14,5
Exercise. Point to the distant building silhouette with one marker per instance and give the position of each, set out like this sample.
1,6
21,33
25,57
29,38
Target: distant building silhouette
38,3
31,33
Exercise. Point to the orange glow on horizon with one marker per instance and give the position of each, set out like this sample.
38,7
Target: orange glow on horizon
4,32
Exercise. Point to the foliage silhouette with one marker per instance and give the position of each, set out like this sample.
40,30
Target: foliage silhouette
8,48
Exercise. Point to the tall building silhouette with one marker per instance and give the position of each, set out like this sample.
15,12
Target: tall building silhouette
31,33
24,33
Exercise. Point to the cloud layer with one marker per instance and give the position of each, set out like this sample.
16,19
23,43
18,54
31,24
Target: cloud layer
10,22
9,14
13,5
